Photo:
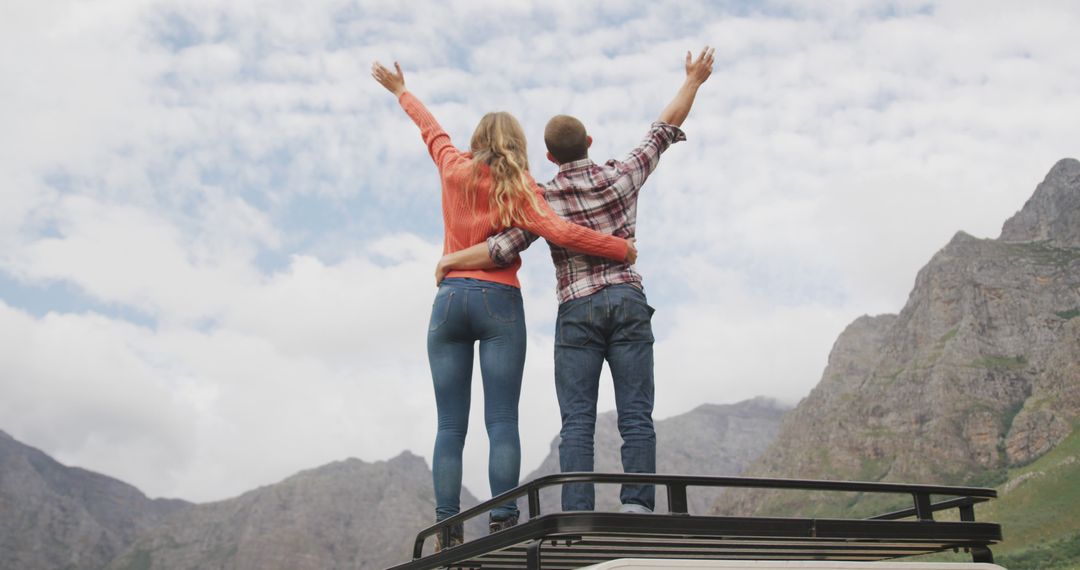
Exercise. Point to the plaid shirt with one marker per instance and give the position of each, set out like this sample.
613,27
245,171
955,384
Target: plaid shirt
603,198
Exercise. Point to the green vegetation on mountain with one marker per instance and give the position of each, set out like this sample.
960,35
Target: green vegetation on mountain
1063,554
1001,362
1039,509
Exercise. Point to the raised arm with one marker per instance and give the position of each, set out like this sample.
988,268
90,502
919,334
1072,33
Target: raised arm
697,71
438,142
640,162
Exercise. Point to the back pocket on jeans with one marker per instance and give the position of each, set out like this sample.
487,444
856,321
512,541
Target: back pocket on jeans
635,321
440,309
502,306
574,325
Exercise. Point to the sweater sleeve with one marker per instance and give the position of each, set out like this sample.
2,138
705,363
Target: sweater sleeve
558,231
438,142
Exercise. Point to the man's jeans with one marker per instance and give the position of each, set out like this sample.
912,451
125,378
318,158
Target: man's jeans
466,311
613,324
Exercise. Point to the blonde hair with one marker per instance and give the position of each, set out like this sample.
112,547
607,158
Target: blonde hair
499,142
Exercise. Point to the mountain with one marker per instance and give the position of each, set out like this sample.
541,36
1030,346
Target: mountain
708,440
1052,215
348,514
976,377
65,517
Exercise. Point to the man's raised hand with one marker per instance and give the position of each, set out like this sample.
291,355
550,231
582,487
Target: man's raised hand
393,82
698,70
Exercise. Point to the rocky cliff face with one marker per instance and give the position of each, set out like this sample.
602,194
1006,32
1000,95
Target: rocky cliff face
978,372
1053,212
52,516
348,514
711,439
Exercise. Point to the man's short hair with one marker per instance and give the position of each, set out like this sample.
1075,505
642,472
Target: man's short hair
566,139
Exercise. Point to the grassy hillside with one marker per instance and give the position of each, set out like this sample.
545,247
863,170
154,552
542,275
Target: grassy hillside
1039,510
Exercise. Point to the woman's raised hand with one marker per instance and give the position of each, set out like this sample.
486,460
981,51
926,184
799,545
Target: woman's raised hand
393,82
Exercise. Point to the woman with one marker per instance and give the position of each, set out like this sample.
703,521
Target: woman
484,191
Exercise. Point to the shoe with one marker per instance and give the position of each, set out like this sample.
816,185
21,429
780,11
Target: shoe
457,538
495,526
634,508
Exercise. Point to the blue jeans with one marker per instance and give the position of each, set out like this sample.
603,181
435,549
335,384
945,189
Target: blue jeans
613,324
466,311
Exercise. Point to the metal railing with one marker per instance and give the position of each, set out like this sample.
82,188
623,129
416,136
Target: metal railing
923,508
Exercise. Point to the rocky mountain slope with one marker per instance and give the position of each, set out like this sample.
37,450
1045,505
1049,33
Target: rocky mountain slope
348,514
978,373
52,516
708,440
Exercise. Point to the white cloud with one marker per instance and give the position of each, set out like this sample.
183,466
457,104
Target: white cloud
125,255
731,344
154,155
77,386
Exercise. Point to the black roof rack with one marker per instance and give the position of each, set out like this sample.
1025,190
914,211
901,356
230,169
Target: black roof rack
567,540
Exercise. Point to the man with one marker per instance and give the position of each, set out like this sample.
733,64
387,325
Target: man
603,312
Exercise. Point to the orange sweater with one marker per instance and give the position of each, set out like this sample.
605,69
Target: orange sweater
467,224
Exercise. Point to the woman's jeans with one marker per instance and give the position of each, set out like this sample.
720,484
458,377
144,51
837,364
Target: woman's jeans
466,311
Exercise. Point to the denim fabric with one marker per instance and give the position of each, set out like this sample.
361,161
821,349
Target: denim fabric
466,311
613,324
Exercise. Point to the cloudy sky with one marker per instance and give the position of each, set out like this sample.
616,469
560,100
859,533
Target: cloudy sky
217,233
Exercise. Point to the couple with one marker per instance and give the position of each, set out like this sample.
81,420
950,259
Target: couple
492,210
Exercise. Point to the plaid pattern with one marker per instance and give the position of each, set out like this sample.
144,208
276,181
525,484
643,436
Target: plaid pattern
601,197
